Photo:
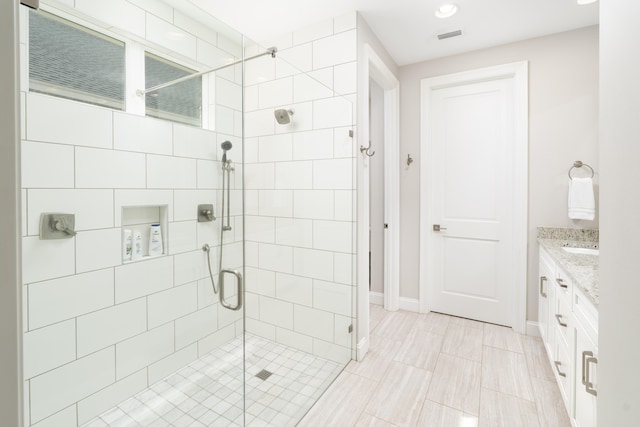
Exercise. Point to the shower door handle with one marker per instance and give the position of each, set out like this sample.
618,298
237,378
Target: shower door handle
238,277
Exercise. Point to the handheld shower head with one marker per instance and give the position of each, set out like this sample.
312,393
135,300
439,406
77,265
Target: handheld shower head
226,146
283,116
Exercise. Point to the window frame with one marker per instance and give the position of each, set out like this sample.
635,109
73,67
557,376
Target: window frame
135,49
167,58
79,25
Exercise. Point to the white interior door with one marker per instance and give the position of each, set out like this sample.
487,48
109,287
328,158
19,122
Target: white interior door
470,191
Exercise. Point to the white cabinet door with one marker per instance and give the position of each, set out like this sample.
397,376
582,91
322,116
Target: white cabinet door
544,276
550,320
563,365
585,378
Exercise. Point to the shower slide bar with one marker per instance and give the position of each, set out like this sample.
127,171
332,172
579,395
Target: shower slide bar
271,51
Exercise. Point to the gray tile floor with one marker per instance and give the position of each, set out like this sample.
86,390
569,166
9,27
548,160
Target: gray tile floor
421,370
209,392
433,370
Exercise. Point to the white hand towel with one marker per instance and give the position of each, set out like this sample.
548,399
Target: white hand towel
582,204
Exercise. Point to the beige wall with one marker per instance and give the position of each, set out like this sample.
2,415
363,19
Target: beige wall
376,188
563,127
618,367
365,35
10,295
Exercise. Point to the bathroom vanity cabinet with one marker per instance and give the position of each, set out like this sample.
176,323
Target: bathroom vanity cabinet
568,321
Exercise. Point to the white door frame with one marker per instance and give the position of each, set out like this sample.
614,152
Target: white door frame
518,71
11,328
375,68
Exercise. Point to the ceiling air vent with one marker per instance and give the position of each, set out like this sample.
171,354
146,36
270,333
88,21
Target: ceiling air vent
449,35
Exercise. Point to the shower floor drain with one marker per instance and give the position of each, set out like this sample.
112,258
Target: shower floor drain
264,374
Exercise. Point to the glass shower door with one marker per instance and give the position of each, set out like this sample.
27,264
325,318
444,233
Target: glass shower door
246,315
299,232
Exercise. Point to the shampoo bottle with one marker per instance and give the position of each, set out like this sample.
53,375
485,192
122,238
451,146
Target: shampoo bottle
127,245
155,240
137,245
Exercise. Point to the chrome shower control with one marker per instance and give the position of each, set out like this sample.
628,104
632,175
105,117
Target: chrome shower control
57,226
205,213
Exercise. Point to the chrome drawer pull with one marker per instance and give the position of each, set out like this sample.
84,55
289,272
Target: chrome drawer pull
561,283
542,280
584,365
589,385
559,318
558,364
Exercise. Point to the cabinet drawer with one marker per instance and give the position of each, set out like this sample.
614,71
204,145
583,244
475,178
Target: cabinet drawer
564,283
562,318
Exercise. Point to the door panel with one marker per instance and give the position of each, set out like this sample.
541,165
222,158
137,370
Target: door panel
472,134
483,254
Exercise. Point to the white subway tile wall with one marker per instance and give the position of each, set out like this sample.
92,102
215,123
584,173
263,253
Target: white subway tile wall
170,36
66,385
211,55
93,208
69,122
98,330
145,136
49,347
301,192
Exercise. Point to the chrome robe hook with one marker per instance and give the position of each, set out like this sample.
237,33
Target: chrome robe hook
365,150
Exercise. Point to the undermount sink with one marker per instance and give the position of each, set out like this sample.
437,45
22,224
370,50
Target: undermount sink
581,251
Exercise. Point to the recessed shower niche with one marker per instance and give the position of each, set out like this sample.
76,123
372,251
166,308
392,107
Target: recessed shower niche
137,225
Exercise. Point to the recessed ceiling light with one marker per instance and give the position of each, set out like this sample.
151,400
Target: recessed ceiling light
446,10
583,2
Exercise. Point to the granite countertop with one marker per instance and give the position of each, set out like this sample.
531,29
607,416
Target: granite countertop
582,269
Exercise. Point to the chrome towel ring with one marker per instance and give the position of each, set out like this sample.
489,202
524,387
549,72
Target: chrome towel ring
579,164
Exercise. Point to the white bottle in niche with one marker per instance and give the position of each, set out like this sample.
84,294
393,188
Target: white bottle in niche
155,240
137,245
127,245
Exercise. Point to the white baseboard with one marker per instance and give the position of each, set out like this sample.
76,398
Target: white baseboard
376,298
362,348
410,304
406,304
533,329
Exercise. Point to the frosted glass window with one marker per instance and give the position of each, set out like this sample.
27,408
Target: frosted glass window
74,62
181,102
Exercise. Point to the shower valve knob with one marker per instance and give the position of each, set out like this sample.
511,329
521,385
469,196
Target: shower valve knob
61,225
205,213
57,226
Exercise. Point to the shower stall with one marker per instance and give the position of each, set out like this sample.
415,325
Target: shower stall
142,113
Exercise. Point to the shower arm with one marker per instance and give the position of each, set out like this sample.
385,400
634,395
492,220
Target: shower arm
140,92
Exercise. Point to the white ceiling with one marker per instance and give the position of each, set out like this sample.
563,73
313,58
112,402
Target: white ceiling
408,28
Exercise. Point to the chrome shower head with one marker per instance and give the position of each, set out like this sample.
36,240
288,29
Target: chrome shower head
284,116
226,146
